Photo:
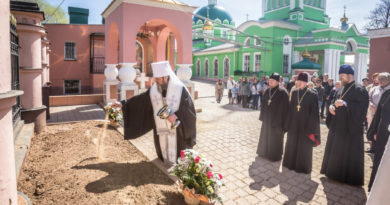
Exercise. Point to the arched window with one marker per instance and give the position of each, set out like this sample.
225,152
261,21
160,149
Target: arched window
257,41
216,67
247,42
349,47
226,67
206,67
198,68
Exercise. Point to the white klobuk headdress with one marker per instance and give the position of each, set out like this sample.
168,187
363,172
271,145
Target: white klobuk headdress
163,68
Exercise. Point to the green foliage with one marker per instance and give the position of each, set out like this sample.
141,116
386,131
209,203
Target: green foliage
114,113
52,13
195,172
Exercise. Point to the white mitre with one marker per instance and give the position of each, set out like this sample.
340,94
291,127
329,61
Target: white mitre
161,69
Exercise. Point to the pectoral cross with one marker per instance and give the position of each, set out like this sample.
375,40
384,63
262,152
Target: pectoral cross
269,102
298,107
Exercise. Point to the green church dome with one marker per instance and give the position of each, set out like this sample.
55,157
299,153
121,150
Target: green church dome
306,64
215,12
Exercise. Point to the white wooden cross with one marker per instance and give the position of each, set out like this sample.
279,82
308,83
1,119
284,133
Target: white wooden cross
142,79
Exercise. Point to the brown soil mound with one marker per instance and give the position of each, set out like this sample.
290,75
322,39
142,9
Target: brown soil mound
62,168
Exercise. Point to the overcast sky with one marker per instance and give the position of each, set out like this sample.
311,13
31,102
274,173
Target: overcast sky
357,10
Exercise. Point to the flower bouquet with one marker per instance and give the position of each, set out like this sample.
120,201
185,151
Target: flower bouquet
114,113
200,184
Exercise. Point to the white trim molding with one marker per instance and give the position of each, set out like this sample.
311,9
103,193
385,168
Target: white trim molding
266,24
201,53
159,4
379,33
339,30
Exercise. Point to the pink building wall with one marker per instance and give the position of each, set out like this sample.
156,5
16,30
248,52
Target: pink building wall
379,55
121,25
7,158
78,69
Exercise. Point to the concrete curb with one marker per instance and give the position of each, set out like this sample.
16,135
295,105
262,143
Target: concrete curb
22,145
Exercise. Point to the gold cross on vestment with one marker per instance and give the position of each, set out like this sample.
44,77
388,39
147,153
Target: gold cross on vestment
269,102
298,107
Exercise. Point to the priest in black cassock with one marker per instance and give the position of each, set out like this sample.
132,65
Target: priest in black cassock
344,151
303,127
273,114
140,114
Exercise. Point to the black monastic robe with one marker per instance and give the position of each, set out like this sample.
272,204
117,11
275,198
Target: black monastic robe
138,120
273,117
380,128
301,124
344,151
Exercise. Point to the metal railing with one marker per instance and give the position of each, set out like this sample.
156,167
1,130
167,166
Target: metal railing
97,64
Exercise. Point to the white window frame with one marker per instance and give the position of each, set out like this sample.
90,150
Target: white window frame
254,61
243,62
75,50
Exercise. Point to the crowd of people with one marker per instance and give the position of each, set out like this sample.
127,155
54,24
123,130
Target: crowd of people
350,109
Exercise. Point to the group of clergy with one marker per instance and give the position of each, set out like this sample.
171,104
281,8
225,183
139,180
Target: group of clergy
297,114
167,109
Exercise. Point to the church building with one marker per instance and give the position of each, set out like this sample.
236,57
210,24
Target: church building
276,42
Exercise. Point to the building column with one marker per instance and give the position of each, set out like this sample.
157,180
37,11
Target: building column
292,4
327,62
8,187
264,7
30,58
301,4
110,84
7,152
331,63
296,56
337,66
360,66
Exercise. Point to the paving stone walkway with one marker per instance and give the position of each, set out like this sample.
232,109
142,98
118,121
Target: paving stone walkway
228,135
75,113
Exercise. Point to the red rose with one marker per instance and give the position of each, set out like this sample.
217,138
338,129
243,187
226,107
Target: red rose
211,165
182,154
220,176
210,175
197,159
